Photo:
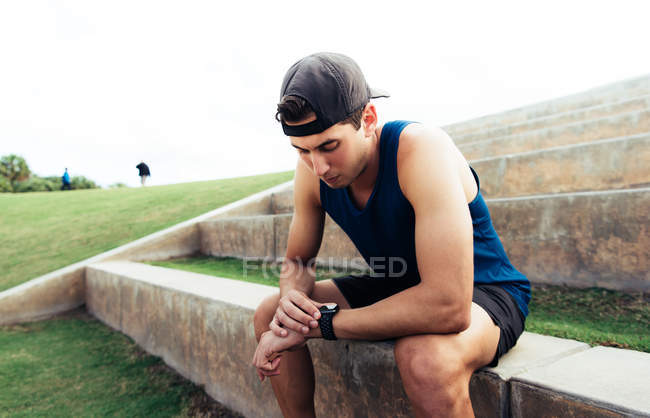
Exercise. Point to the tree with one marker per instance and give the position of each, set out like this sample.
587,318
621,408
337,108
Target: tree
14,168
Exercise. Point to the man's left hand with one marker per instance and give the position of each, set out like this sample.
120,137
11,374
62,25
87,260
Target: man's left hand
269,351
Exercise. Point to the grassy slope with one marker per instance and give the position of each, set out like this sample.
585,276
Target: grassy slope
76,366
42,232
595,316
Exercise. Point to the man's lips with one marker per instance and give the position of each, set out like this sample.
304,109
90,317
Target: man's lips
331,179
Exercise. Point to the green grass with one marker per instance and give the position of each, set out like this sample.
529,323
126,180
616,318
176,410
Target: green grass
42,232
76,366
595,316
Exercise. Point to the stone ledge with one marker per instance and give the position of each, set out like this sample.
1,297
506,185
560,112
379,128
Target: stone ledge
558,119
635,87
201,326
607,379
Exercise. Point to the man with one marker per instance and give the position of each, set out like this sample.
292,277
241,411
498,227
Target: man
143,172
65,180
400,191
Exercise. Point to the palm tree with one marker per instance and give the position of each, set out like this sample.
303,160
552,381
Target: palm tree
14,168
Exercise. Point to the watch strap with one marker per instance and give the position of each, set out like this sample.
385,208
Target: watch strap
325,324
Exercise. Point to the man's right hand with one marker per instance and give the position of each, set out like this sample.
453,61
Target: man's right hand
295,312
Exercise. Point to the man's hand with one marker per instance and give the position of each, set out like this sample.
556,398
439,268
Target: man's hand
269,352
295,312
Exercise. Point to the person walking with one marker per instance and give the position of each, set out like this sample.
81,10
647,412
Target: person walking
143,172
65,181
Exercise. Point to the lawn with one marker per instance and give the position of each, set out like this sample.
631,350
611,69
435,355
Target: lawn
595,316
42,232
76,366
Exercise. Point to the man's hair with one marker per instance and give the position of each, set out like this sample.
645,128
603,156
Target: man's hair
294,109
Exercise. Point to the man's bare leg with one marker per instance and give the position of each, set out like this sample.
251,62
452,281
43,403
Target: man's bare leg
294,386
436,368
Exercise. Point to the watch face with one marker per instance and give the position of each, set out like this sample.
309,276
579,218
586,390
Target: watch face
329,308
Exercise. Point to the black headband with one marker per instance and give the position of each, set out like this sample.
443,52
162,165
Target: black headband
313,127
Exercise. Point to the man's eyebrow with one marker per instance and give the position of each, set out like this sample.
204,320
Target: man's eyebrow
324,143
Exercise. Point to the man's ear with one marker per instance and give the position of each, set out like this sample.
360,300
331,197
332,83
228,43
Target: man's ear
369,119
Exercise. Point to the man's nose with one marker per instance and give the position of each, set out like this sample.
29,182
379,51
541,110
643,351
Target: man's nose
320,165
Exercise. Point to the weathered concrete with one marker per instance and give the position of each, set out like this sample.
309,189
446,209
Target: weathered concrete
596,112
601,381
282,202
336,248
614,92
602,165
579,239
607,128
201,326
489,388
62,289
45,296
242,237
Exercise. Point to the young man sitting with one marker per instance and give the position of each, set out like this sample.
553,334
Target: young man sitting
401,192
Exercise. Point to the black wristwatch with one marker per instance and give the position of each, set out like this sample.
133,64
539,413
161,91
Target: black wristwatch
327,313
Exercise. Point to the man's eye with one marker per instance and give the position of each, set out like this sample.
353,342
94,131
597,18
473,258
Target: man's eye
301,151
330,147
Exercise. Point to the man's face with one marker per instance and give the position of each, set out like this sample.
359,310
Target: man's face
337,155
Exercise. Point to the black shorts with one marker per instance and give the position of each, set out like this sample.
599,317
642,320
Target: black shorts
364,290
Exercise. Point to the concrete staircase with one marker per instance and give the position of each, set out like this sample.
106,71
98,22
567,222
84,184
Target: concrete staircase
568,184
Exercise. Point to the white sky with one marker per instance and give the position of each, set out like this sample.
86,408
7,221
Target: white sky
190,87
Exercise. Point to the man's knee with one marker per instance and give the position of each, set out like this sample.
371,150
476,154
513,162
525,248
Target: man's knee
431,364
264,314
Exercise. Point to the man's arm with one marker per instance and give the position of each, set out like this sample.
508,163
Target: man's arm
428,170
295,310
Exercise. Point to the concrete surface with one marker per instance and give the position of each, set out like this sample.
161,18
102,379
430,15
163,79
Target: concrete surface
201,326
609,93
596,112
602,165
579,239
580,132
608,380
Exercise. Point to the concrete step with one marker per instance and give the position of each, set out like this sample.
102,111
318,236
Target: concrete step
202,327
610,93
618,163
628,124
579,239
264,237
606,164
581,115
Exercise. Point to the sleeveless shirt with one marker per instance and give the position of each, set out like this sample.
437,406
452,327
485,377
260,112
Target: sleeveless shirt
384,229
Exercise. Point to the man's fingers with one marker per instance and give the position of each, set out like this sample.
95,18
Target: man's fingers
290,323
307,305
294,312
277,328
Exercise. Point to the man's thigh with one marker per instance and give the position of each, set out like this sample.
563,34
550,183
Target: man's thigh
475,347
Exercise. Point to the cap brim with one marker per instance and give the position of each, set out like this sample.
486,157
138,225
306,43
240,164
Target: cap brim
375,93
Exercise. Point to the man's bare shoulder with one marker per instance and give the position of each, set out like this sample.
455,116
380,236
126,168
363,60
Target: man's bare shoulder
429,162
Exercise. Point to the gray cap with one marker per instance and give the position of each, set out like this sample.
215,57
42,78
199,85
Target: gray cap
334,87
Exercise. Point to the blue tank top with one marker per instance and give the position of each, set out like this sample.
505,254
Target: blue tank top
384,229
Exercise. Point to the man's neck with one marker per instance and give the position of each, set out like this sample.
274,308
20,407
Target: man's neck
366,181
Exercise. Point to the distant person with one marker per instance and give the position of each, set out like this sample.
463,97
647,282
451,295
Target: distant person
144,172
65,181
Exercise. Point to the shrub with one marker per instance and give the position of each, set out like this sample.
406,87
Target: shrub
5,185
36,184
80,182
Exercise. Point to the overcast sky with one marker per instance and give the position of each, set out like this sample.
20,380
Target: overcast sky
190,87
